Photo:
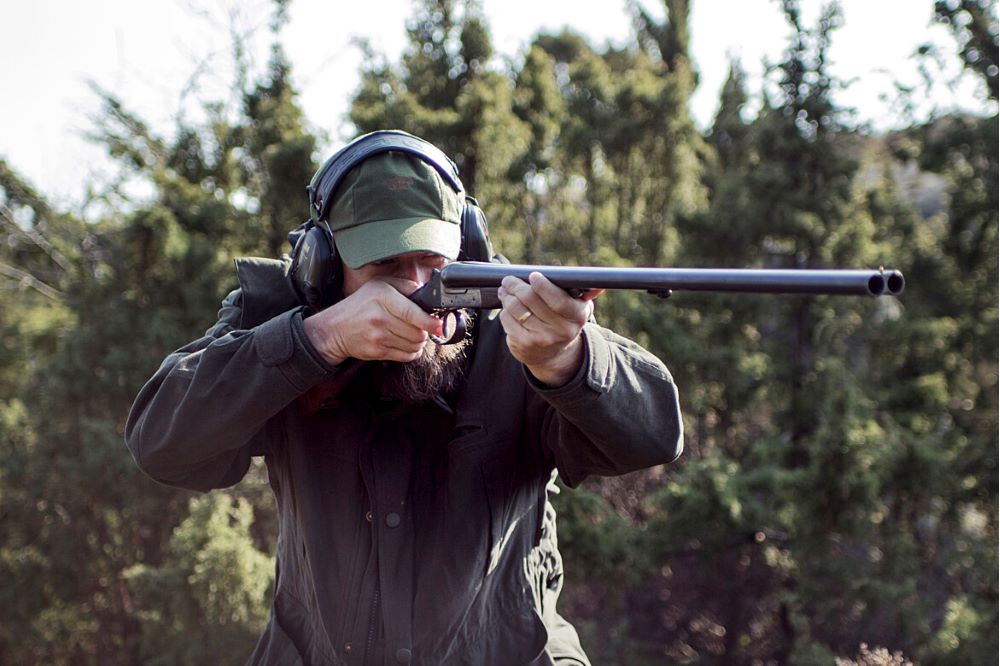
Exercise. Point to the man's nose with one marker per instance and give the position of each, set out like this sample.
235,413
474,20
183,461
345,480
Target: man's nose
414,271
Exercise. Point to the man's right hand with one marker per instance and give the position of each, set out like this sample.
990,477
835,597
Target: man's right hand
375,323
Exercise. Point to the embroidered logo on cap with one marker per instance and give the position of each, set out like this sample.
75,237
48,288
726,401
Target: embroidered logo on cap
399,182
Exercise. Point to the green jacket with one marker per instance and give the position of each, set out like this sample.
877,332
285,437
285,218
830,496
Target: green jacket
416,534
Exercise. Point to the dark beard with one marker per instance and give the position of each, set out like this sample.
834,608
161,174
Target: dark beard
437,371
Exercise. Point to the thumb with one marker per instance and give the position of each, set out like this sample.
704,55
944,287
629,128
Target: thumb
591,294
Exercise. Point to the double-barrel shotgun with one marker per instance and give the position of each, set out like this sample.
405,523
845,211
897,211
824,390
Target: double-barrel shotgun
472,284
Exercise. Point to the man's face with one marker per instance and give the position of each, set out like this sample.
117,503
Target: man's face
440,367
414,267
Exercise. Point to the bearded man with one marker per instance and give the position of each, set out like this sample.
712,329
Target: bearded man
412,478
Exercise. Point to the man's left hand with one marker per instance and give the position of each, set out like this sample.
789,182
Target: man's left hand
543,325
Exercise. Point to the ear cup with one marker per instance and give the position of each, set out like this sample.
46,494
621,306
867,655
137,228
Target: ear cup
315,270
476,245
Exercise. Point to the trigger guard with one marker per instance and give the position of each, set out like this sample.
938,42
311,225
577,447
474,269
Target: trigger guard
458,334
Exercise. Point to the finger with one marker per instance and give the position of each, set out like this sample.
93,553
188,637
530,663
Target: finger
519,302
556,300
588,298
406,333
386,345
519,332
399,356
402,308
587,295
515,323
397,348
393,295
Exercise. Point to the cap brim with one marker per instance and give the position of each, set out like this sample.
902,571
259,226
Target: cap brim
377,241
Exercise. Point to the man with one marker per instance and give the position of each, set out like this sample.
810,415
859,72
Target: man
411,478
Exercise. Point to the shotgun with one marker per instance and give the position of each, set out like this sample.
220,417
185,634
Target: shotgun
473,284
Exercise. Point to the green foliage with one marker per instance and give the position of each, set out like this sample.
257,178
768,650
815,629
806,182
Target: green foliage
605,544
109,566
209,602
445,92
968,632
839,487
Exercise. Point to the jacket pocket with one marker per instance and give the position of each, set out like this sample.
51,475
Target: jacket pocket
275,647
303,630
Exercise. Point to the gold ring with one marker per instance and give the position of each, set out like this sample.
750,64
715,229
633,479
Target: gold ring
525,317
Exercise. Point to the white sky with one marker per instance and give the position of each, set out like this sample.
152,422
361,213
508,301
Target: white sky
148,52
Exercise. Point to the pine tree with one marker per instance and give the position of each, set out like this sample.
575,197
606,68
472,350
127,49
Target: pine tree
447,91
110,566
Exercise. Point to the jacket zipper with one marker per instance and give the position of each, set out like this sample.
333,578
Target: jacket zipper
372,618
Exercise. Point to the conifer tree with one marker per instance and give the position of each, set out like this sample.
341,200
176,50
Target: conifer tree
112,567
447,90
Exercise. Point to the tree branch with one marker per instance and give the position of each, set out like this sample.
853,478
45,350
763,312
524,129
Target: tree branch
36,238
28,280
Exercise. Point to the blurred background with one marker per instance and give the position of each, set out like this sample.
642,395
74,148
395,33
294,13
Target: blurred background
837,499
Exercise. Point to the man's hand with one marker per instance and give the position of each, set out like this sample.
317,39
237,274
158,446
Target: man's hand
376,322
543,325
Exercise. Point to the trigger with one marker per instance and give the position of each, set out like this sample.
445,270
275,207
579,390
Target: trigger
457,334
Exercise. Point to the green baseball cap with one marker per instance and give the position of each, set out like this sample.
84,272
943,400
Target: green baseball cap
391,204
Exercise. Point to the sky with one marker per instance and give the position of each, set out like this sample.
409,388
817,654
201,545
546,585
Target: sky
162,58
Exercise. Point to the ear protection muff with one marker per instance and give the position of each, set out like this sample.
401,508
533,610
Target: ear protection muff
316,272
476,245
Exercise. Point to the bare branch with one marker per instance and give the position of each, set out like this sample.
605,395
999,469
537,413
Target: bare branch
28,280
38,239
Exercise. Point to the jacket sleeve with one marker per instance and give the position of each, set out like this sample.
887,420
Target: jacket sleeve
619,414
198,420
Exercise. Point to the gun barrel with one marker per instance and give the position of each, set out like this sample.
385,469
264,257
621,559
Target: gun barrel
868,282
